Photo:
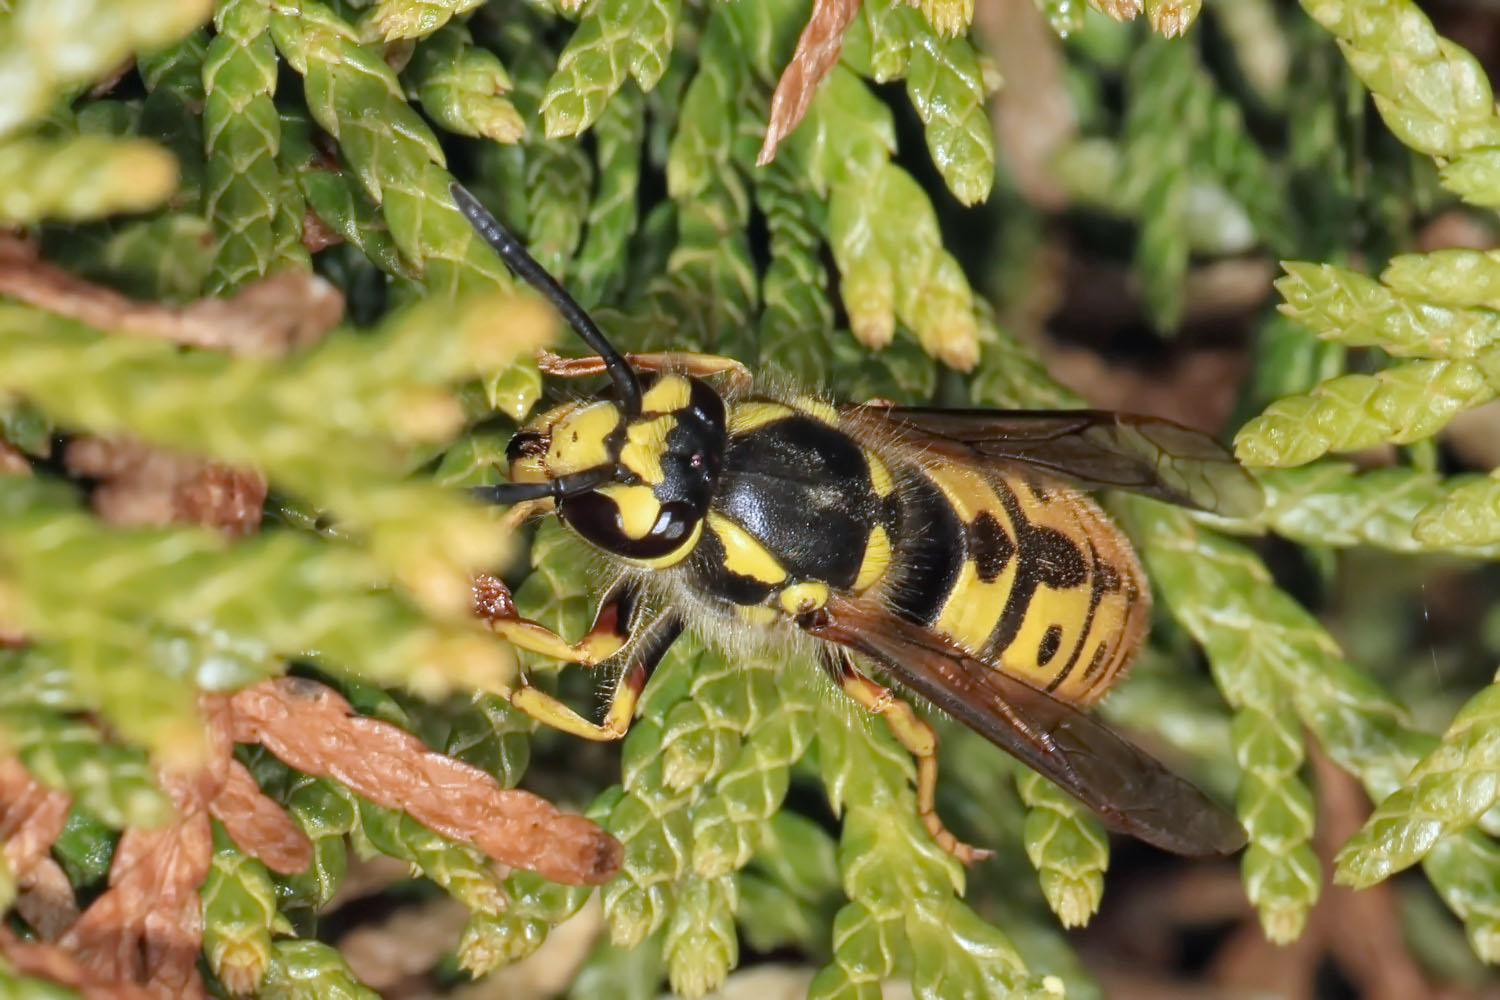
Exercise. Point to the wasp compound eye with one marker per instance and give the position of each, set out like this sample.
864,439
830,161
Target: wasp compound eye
600,518
526,444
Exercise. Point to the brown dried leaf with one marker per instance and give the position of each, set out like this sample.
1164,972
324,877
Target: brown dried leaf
31,818
258,824
309,727
317,234
148,485
57,964
12,462
266,318
385,954
1032,123
47,902
147,927
817,51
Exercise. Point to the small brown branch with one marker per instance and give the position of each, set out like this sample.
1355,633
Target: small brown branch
258,824
31,818
147,485
57,964
266,318
12,461
311,728
817,51
147,927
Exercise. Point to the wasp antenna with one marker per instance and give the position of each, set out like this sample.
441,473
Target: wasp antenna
558,488
510,250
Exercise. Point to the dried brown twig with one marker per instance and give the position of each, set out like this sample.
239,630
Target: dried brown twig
31,817
142,937
309,727
817,51
266,318
145,485
148,485
57,964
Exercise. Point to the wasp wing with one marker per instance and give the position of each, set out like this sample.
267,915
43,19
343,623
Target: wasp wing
1090,448
1130,790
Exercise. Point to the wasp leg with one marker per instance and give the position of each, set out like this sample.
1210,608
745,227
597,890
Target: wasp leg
622,700
605,638
915,736
512,519
612,628
687,362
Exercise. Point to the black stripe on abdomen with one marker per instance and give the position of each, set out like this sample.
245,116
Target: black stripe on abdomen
929,551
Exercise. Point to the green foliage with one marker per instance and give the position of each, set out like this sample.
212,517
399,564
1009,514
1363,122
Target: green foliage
253,135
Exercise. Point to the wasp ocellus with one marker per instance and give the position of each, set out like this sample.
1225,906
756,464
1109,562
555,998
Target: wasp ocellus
949,549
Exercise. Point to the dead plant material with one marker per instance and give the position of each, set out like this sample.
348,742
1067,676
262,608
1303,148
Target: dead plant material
1360,931
311,728
817,51
401,948
147,927
267,318
1033,121
12,462
143,484
317,234
56,964
109,81
258,824
31,818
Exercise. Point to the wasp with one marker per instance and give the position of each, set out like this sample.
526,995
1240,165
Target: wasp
951,550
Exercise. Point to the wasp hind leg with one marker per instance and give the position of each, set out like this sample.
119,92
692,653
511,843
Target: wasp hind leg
915,736
613,628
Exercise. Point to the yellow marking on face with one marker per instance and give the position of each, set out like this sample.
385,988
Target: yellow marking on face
756,614
644,442
800,598
742,553
676,555
815,407
880,476
528,469
876,559
579,438
748,416
671,392
639,508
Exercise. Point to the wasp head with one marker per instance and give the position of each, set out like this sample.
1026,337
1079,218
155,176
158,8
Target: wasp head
664,464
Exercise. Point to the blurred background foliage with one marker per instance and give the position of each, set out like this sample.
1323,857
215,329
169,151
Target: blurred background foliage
989,203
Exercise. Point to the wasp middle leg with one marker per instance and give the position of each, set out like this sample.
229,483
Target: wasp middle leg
914,735
615,626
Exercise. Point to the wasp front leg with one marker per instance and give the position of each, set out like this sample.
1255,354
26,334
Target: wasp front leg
685,362
915,736
613,628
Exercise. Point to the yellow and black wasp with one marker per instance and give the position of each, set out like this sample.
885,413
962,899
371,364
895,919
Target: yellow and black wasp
947,548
